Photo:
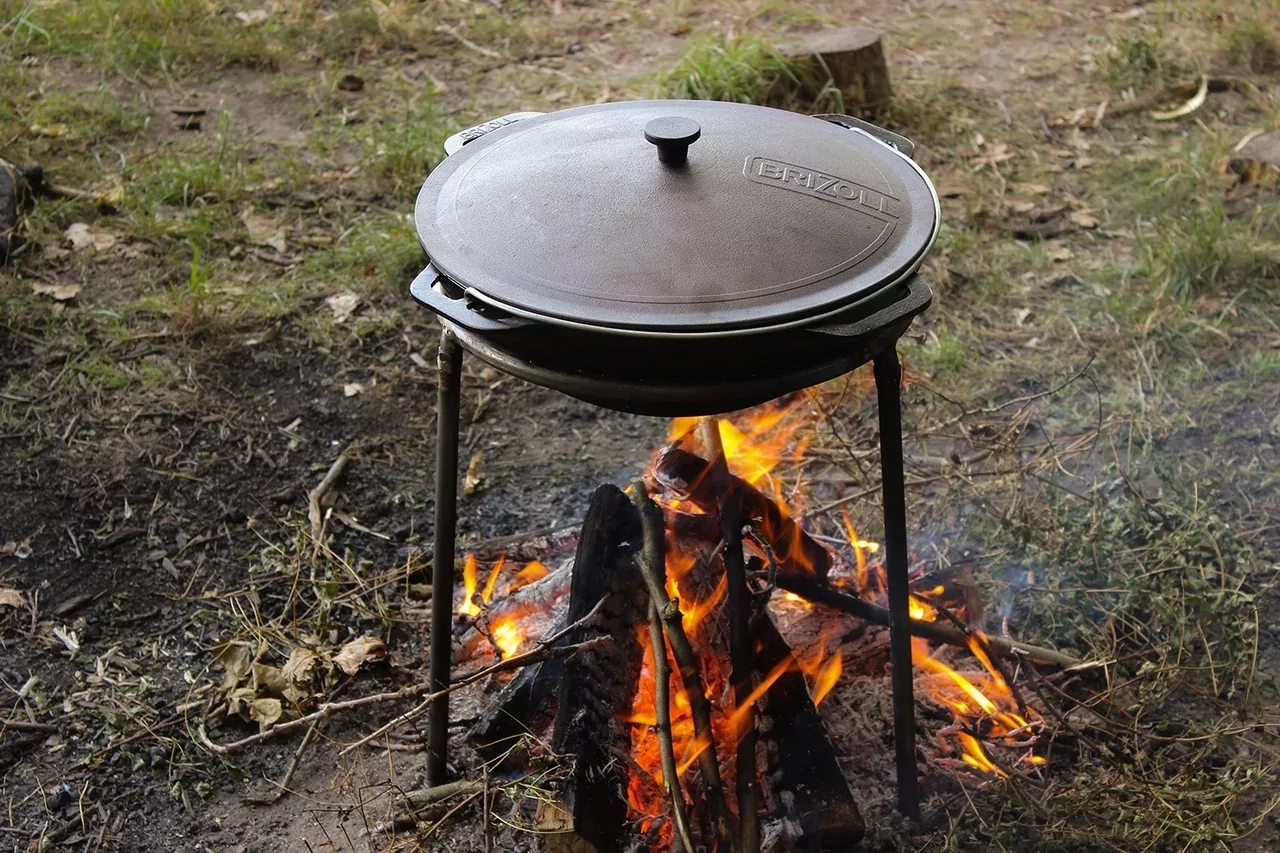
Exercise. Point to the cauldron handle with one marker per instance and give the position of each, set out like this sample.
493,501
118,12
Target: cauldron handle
896,141
456,309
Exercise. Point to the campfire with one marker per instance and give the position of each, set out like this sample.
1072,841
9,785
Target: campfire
700,723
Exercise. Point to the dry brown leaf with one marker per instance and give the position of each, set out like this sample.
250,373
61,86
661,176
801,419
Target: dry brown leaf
60,292
269,679
263,230
1058,252
998,153
358,652
82,236
343,305
265,712
236,659
1022,206
10,597
300,666
1084,218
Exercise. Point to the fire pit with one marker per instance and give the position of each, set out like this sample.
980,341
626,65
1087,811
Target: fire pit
680,258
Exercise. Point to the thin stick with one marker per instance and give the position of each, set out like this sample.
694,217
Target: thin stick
414,800
282,787
729,504
652,564
661,688
820,593
314,513
22,726
538,655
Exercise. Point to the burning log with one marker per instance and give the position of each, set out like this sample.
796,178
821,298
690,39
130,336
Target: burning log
685,475
729,506
653,568
596,689
803,562
805,782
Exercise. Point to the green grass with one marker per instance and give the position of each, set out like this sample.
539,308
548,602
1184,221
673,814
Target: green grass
749,70
1145,57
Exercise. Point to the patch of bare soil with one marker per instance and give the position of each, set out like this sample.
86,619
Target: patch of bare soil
133,520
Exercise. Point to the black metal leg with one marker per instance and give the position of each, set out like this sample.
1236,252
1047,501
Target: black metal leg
449,378
888,375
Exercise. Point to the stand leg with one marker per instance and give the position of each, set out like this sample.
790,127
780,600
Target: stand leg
888,375
449,379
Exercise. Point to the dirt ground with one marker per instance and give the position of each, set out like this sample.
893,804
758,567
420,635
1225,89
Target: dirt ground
160,430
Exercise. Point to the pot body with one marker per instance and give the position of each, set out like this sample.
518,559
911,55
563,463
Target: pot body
679,377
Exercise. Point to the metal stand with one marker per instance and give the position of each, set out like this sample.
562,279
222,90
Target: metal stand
888,375
449,392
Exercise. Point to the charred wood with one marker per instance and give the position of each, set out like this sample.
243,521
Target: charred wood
685,474
805,783
597,688
653,569
728,491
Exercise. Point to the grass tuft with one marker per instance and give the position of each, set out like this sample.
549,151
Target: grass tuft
749,70
1144,58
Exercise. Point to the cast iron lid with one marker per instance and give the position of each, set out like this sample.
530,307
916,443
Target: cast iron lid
676,217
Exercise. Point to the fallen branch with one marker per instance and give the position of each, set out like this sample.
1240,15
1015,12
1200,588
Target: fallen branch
314,512
820,593
539,655
652,564
414,800
661,701
21,726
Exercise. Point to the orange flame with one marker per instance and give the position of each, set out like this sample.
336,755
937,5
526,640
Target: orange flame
487,594
532,572
468,607
507,635
827,677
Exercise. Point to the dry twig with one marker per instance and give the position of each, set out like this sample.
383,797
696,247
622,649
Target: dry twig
661,687
653,569
544,652
314,513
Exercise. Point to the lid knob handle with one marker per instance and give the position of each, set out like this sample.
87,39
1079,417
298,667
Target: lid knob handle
673,135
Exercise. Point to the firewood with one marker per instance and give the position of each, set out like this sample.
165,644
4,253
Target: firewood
728,507
684,474
804,777
598,689
854,57
803,562
653,570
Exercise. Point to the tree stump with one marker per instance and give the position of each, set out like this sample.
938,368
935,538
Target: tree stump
854,56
